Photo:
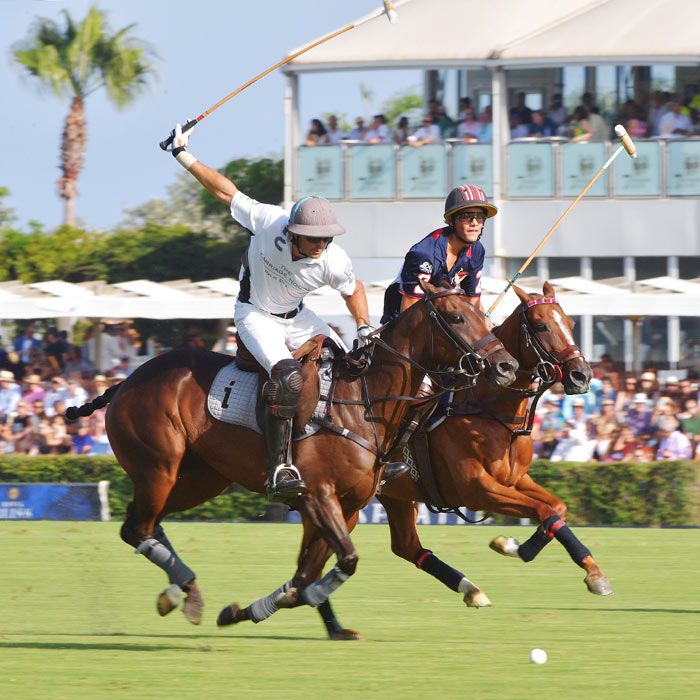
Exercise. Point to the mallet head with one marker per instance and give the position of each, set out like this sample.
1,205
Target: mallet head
391,14
626,140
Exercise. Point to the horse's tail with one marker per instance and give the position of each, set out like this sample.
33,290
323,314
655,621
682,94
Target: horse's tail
87,409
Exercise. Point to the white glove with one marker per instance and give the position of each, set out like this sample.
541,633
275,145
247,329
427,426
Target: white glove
364,333
180,142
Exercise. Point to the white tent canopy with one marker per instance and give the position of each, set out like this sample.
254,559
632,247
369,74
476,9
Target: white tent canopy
442,33
215,299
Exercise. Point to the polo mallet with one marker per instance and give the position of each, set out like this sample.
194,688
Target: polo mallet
387,10
626,145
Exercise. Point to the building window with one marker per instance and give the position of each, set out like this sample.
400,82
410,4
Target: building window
653,347
690,342
604,268
647,267
689,267
564,267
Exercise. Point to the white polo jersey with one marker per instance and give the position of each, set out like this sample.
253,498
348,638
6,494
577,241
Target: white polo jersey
272,281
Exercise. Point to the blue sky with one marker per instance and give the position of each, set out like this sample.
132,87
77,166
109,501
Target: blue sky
206,49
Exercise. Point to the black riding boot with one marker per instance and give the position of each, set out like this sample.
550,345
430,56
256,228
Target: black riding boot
283,479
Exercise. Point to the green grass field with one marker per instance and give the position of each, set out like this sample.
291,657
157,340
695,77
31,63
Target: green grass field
77,619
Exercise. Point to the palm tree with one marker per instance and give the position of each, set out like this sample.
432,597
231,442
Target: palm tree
74,61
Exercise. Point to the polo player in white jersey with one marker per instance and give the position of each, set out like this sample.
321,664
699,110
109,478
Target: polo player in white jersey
290,254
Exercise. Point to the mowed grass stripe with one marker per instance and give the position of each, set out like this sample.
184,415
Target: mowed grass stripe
78,620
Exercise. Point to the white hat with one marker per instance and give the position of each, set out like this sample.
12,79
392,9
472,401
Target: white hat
640,398
578,401
6,375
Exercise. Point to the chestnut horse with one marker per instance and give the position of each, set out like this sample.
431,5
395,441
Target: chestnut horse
481,453
178,456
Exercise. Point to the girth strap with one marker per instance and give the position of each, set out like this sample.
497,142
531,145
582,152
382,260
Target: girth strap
428,483
344,432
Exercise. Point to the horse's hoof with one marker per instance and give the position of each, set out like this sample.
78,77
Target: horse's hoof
343,635
598,585
474,597
194,606
507,546
477,599
169,599
230,615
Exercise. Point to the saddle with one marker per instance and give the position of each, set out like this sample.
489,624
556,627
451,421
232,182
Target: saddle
307,355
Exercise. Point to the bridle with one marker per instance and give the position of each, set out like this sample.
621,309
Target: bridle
473,358
549,363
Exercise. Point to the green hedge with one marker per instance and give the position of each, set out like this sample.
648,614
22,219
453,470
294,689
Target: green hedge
232,504
624,493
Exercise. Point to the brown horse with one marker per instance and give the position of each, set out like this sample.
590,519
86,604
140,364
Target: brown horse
178,456
481,453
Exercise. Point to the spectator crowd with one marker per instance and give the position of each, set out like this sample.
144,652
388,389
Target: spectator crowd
624,417
667,116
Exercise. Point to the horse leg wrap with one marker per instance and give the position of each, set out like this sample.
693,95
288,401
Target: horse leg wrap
178,572
428,562
559,529
529,549
329,619
265,607
319,591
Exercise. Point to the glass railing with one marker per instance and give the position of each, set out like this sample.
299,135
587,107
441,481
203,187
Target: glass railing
542,169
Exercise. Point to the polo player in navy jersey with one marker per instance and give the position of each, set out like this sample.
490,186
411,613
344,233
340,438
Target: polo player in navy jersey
453,253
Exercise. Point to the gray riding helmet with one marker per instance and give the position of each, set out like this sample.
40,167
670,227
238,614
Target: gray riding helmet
314,217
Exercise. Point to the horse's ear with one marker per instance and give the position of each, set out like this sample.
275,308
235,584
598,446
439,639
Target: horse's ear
548,290
426,286
522,294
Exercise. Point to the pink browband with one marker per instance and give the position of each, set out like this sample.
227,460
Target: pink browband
541,300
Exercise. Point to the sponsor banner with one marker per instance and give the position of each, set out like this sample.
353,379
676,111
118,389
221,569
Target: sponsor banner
54,501
374,514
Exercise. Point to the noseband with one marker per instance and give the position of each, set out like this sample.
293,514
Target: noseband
549,365
471,362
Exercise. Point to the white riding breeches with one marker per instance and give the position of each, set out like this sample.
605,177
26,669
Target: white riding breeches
271,339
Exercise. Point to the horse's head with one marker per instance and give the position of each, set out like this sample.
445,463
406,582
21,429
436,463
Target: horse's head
458,336
550,347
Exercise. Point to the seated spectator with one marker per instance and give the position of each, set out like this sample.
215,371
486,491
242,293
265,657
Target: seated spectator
639,415
556,111
444,122
485,119
57,391
636,126
379,131
623,445
573,445
673,444
56,348
660,104
316,134
24,343
335,135
648,384
358,133
464,104
100,441
10,394
228,344
469,129
674,124
75,394
579,125
625,394
541,125
518,129
521,111
603,427
428,133
690,420
600,129
21,424
81,440
35,389
403,131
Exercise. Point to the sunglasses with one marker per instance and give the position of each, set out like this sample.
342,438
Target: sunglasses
471,216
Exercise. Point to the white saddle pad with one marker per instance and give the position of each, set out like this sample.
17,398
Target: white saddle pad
233,395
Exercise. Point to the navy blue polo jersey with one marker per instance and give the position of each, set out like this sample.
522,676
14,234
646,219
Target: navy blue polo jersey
426,261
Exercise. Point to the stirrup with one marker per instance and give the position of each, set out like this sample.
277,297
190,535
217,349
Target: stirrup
284,483
393,470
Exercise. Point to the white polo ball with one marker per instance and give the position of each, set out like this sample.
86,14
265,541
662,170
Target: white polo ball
538,656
